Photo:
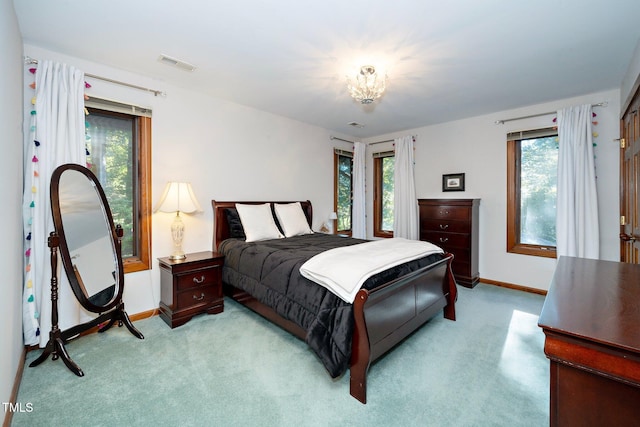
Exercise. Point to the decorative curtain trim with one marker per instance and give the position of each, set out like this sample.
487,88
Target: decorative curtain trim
56,136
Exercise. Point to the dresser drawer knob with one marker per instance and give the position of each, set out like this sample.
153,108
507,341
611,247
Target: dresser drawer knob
199,298
443,239
444,226
444,212
198,281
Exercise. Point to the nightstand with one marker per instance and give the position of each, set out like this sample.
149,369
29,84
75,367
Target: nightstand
190,286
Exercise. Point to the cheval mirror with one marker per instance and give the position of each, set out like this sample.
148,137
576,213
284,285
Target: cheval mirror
89,246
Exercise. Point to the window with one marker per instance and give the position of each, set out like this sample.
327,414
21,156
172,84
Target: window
532,162
343,190
118,140
383,166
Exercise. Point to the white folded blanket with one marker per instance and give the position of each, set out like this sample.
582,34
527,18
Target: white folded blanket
344,270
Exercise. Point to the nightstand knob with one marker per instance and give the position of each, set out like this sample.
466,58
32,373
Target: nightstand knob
198,281
444,226
199,299
443,239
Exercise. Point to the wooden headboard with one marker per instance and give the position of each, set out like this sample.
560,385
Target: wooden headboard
221,226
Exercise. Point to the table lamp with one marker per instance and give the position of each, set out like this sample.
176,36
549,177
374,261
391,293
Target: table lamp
178,197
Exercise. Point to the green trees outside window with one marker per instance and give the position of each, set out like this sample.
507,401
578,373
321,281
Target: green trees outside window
344,192
388,164
532,164
538,190
109,139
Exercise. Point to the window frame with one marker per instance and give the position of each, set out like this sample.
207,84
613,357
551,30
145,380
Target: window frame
337,153
142,203
514,199
377,194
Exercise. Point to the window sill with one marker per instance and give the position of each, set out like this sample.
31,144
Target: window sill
533,250
383,234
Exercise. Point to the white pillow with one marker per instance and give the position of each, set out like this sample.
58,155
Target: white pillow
258,222
292,219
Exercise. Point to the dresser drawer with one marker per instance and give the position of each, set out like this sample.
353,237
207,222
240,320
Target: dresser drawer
445,212
445,225
196,296
198,278
446,240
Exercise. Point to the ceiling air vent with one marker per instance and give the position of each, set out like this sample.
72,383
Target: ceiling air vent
176,63
355,124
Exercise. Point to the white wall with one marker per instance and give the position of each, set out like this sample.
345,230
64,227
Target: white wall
477,147
631,78
227,151
11,195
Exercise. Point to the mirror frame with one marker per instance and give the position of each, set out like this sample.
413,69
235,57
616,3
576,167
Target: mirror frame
74,280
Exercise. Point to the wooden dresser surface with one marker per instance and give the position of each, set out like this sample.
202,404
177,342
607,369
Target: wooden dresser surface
591,321
596,300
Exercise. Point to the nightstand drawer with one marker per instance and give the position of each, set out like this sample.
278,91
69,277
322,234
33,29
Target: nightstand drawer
194,297
198,278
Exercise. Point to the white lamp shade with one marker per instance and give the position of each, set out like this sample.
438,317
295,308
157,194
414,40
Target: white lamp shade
178,197
333,215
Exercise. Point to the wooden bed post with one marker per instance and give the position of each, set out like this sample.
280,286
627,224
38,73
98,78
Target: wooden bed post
360,349
451,290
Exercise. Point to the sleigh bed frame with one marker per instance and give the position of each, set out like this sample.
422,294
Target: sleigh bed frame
383,316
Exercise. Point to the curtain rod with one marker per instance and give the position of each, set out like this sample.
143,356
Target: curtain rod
501,122
370,143
380,142
29,60
340,139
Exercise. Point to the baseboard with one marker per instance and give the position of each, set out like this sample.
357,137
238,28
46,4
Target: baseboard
8,415
514,286
144,314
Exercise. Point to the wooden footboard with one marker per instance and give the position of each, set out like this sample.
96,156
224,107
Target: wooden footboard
388,314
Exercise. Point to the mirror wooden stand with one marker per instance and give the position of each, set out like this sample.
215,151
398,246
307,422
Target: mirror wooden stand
91,251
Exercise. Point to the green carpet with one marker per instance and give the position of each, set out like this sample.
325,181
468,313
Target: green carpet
236,369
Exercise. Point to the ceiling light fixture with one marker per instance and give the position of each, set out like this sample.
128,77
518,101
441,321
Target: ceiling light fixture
367,86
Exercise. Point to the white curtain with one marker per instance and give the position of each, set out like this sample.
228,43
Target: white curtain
359,213
405,203
577,229
56,136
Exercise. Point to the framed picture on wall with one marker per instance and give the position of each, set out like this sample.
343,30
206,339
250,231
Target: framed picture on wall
453,182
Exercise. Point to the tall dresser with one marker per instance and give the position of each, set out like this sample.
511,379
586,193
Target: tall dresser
452,224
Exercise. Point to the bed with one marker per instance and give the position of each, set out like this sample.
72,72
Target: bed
387,309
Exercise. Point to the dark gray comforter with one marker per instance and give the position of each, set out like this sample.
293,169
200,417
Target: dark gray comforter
270,272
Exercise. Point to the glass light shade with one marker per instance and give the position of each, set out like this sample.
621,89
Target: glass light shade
367,86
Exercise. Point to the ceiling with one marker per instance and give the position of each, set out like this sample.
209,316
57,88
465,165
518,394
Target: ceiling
445,60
